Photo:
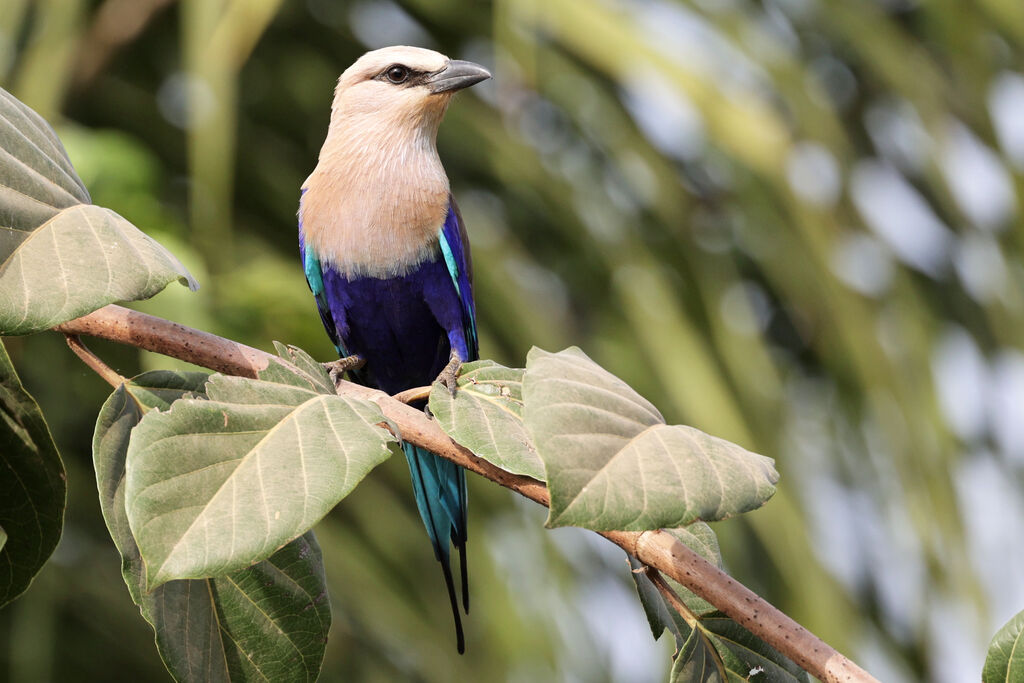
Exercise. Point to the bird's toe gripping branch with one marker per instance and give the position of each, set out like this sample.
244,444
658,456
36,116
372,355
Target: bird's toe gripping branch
336,369
450,375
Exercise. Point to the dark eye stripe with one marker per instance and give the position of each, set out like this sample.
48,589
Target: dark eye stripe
399,74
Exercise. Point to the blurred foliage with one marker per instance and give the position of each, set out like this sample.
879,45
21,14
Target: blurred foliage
794,224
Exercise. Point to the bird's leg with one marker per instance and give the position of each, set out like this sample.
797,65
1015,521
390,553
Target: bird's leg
450,374
339,367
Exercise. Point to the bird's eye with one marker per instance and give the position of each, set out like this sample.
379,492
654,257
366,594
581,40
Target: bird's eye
397,73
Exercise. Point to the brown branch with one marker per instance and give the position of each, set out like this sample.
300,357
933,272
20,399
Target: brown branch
120,324
656,549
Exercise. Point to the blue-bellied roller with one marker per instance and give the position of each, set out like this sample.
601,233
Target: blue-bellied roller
386,255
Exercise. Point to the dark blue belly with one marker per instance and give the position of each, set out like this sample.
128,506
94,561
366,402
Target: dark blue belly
391,323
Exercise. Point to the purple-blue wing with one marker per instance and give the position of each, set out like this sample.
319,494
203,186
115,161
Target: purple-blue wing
455,248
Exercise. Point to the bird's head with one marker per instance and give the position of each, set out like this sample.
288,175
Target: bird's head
379,194
400,87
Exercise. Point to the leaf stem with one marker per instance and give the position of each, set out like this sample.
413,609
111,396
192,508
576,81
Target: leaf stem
671,597
109,375
656,549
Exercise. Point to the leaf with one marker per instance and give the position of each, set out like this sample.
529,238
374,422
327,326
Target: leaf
61,257
266,622
215,485
709,645
302,368
486,416
719,649
36,173
612,462
32,486
697,661
700,538
1005,659
121,412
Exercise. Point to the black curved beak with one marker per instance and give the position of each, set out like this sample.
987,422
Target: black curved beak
457,75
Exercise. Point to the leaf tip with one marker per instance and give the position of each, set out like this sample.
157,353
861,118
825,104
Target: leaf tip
188,281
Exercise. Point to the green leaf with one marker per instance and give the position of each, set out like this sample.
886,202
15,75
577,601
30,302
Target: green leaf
1005,660
719,649
697,661
486,416
265,622
32,485
612,462
700,538
302,370
215,485
709,645
60,256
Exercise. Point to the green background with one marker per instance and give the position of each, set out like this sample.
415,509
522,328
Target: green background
792,224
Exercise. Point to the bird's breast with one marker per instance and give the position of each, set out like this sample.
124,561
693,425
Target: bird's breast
361,239
380,222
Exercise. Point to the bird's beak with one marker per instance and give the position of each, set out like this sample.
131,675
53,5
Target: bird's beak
456,76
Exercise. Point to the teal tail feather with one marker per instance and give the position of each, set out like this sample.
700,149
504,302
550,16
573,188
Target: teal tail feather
439,486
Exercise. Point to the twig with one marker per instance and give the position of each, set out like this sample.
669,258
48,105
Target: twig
670,596
656,549
109,375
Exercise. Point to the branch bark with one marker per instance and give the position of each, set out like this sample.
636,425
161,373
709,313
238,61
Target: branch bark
656,549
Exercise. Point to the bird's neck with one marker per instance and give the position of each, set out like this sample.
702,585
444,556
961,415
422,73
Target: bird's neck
377,199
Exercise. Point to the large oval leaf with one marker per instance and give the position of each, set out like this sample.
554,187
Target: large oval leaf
61,257
612,463
215,485
266,622
1005,660
32,486
36,176
486,416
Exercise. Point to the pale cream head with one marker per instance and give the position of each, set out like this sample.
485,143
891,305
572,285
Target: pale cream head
378,196
365,89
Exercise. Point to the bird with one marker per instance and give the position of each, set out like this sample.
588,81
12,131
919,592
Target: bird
386,256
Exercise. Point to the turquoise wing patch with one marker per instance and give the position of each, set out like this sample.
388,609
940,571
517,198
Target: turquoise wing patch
315,278
452,264
449,260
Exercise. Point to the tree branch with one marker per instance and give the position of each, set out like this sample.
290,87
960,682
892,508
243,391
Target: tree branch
654,548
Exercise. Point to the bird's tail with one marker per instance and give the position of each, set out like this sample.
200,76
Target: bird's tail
440,489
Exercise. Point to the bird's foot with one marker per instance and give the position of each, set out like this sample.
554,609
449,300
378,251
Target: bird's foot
336,369
450,375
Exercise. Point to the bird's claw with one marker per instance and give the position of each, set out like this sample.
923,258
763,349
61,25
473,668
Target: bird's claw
336,369
450,375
